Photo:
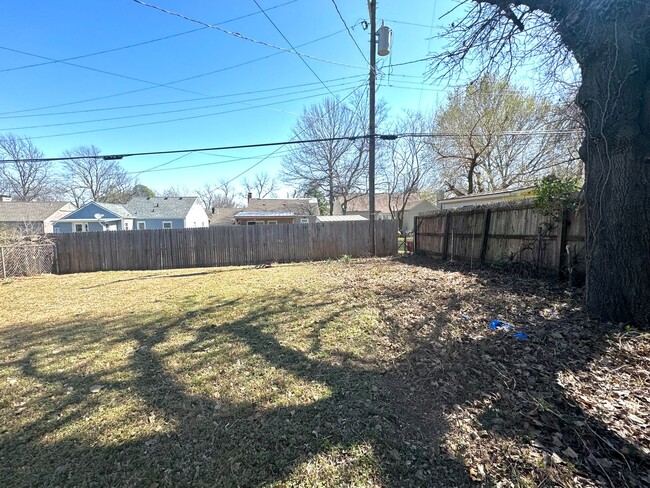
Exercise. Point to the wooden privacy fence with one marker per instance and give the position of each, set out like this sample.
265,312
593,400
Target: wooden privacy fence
220,246
27,260
503,234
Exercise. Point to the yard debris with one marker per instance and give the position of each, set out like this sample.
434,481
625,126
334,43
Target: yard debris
499,325
96,388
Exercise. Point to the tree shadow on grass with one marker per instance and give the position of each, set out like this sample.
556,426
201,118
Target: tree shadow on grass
337,419
206,440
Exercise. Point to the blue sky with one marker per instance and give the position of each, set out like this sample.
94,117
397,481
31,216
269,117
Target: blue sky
60,105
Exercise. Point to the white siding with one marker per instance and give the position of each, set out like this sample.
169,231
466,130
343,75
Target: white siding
197,217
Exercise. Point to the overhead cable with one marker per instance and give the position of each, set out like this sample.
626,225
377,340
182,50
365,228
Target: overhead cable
304,141
175,102
291,46
244,37
143,43
178,119
349,32
188,78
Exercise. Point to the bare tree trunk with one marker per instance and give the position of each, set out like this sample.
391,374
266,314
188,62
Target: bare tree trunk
616,104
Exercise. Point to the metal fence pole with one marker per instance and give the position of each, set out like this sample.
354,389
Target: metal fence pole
4,266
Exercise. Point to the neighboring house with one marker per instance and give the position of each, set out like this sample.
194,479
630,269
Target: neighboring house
140,213
223,216
487,198
32,217
359,206
271,211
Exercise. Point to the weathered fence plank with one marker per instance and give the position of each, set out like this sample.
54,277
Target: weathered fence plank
220,246
504,234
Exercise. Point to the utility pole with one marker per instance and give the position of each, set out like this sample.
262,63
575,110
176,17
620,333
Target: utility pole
372,9
383,38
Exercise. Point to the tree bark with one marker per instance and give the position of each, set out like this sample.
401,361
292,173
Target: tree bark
615,100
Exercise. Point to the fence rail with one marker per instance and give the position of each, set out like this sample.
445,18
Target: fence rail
27,260
219,246
504,234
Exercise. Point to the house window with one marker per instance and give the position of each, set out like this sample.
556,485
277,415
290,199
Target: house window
80,227
272,222
304,220
142,225
126,226
251,222
167,225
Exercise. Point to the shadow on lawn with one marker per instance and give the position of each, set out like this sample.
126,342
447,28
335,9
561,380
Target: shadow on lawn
399,412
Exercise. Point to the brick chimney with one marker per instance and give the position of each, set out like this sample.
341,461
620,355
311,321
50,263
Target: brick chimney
250,195
5,198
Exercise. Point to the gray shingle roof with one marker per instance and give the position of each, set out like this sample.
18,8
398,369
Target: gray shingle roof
160,207
116,208
28,211
298,206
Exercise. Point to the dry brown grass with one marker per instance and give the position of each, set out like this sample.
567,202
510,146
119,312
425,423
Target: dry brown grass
369,373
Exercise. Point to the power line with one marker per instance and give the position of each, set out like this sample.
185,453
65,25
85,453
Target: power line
177,151
164,112
409,23
159,168
96,70
173,102
291,46
338,102
349,33
241,36
412,62
139,90
143,43
388,137
174,120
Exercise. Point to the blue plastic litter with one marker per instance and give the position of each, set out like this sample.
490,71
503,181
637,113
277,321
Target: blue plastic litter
499,325
465,316
506,327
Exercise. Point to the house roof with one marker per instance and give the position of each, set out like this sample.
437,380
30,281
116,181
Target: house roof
223,216
264,214
160,207
299,206
116,208
29,211
524,192
339,218
359,203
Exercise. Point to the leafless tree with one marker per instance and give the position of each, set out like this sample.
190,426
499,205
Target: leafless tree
23,177
175,191
87,177
219,195
335,167
262,185
608,39
494,135
408,165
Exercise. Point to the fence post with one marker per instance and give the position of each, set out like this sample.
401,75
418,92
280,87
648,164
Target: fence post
561,240
445,239
486,230
4,266
56,257
415,235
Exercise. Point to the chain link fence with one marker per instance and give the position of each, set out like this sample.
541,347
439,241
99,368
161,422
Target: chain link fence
27,260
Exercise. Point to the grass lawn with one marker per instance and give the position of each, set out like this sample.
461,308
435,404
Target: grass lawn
368,373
